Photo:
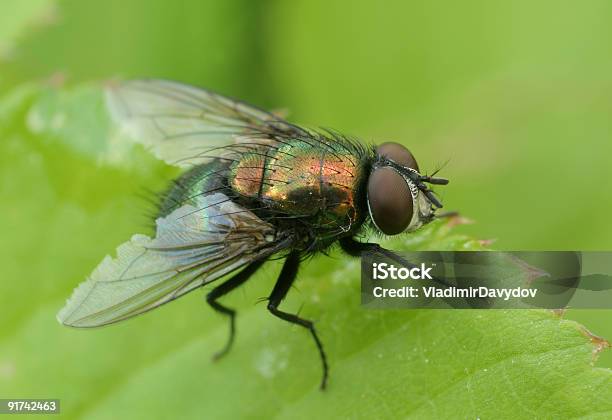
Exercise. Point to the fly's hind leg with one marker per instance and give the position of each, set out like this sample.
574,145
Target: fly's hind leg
224,289
282,286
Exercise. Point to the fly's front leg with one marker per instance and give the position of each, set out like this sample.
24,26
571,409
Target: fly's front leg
224,289
282,286
356,248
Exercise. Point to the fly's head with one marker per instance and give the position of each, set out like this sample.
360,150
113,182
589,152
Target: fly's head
398,198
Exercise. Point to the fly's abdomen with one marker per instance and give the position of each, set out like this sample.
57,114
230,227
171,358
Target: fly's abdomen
199,181
304,181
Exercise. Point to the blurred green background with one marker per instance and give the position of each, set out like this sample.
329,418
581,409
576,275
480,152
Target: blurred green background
514,98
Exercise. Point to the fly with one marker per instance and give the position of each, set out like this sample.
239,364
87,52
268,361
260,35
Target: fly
255,187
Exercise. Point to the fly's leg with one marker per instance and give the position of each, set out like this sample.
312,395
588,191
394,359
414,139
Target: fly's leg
282,286
224,289
355,248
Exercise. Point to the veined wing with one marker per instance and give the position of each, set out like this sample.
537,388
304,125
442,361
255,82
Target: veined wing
192,246
184,125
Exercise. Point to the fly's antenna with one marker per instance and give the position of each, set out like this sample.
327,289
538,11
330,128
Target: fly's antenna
420,183
417,179
434,181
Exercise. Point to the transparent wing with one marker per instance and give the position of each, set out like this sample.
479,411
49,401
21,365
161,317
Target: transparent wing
192,246
184,125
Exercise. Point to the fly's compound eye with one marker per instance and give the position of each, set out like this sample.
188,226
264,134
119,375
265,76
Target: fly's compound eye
389,200
398,154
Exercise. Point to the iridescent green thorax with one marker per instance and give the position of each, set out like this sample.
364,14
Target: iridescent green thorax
310,188
317,182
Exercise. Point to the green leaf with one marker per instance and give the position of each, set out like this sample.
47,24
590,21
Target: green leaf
69,199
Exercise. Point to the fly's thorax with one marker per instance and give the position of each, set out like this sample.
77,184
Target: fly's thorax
302,180
247,174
